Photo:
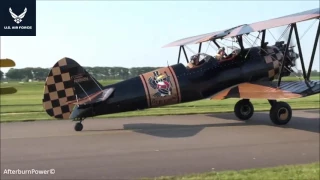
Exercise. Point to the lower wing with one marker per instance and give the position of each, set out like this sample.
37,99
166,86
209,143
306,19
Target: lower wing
269,90
7,63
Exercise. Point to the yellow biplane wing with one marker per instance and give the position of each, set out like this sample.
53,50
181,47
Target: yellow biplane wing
7,63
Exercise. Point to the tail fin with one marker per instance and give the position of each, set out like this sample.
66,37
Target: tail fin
66,83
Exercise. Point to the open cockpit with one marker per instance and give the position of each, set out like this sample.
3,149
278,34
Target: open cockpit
199,59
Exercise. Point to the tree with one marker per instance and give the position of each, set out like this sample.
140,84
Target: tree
1,74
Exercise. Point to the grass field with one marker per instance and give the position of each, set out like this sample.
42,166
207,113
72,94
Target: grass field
26,104
292,172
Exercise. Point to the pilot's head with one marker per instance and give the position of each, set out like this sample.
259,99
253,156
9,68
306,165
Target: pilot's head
195,59
222,49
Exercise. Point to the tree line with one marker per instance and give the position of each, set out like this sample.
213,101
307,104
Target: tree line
100,73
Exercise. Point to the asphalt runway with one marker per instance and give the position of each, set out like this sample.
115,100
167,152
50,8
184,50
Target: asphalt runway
129,148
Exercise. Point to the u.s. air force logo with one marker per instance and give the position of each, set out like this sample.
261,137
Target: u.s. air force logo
18,18
162,83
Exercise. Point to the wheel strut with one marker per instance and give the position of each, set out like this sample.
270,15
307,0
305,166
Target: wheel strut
78,126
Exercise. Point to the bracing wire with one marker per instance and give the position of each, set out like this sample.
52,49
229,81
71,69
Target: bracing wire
272,35
308,29
284,32
190,49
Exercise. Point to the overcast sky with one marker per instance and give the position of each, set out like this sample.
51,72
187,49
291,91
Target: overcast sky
131,34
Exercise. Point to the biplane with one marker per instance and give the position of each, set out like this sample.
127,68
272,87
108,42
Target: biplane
70,92
7,63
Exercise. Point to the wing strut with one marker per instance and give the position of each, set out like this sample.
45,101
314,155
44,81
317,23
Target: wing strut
179,54
284,56
215,42
200,47
263,39
185,54
300,52
306,75
313,51
239,39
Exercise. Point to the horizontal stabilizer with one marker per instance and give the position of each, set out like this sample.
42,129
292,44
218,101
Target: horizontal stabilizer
93,98
269,90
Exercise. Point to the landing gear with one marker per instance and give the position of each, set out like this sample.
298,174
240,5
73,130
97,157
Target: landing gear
244,109
280,113
78,126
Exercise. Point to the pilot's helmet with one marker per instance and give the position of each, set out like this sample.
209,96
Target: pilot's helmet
221,49
194,58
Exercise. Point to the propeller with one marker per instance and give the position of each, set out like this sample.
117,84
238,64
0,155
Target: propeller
284,36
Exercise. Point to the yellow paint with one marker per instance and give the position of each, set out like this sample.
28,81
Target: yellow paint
7,63
160,77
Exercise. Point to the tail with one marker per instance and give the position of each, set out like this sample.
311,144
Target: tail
69,85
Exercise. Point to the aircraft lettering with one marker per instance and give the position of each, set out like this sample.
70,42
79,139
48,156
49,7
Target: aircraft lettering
25,27
81,79
160,101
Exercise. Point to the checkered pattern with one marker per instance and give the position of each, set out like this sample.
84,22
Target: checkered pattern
59,89
273,58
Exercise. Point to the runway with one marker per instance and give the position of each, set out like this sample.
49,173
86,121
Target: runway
129,148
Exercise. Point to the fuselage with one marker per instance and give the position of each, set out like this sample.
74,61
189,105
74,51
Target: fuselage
178,84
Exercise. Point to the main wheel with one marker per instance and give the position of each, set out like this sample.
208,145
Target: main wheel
280,113
78,126
243,109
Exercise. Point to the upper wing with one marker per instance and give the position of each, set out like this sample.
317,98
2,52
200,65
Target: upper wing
269,90
193,40
12,13
276,22
248,28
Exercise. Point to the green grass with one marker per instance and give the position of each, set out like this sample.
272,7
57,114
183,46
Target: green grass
26,104
292,172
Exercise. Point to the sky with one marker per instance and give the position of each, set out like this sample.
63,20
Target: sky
132,33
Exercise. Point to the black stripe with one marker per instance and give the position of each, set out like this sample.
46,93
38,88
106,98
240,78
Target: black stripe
234,92
175,84
144,79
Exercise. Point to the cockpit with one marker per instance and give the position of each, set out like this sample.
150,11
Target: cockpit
222,56
199,59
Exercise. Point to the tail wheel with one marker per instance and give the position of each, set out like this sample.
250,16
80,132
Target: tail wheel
78,126
243,109
280,113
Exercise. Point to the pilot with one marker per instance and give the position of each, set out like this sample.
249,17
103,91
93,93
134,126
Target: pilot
195,61
221,54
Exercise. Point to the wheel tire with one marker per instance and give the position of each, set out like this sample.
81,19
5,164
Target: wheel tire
243,109
78,127
280,113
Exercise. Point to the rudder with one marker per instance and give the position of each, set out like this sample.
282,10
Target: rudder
60,87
